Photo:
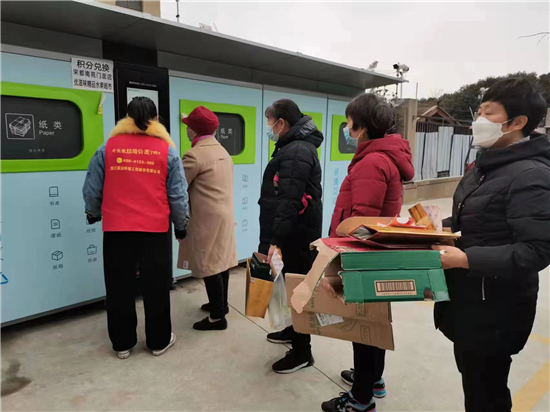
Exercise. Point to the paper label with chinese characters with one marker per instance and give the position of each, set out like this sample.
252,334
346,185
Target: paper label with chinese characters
327,320
91,74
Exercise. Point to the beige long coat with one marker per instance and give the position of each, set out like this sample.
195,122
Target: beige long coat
210,246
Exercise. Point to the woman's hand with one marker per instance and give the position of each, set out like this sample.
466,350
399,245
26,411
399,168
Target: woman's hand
272,250
452,257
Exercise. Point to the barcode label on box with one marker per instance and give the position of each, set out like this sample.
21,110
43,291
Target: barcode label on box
327,320
395,287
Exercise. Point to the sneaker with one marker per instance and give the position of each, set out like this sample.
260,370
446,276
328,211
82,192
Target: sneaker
348,376
346,403
378,389
205,324
125,354
279,337
170,344
207,307
293,362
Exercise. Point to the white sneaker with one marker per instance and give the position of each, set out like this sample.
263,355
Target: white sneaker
125,354
170,344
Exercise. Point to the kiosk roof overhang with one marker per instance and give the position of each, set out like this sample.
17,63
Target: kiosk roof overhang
117,25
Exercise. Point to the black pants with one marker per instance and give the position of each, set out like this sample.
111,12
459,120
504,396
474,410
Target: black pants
369,366
151,251
300,343
484,380
217,287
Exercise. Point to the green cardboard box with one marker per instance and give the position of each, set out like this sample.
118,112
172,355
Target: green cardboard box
361,274
393,275
394,285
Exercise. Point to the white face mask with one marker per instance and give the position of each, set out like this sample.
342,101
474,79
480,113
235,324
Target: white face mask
486,133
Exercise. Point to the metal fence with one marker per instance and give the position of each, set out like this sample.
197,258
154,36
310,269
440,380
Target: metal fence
442,150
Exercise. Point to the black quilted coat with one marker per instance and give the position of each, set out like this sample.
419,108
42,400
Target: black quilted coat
502,207
293,174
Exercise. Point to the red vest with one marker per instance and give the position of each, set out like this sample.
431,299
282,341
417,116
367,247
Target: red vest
134,193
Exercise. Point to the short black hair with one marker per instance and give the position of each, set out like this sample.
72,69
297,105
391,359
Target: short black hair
519,98
373,113
142,110
284,109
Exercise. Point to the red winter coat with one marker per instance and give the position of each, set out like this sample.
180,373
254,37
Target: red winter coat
374,184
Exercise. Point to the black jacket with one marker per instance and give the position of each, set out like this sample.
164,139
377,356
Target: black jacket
502,208
295,164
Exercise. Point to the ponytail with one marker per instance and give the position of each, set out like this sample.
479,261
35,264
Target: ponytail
142,110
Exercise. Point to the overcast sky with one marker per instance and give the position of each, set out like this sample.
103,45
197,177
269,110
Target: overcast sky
446,44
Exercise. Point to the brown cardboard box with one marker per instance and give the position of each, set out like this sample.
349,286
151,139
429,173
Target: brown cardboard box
329,316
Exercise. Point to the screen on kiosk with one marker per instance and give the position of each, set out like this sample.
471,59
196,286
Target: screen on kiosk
151,94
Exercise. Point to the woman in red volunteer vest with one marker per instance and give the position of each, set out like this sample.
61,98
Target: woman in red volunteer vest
135,184
373,187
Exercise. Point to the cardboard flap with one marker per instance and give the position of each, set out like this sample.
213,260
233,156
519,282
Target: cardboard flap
349,225
409,232
304,291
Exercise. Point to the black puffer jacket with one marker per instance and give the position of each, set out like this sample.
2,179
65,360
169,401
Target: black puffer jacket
502,207
294,171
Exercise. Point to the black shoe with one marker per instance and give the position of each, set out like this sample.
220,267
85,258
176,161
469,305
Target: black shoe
207,307
293,362
279,337
205,324
346,403
348,376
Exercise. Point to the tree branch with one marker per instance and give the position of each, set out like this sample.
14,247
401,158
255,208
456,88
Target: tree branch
543,34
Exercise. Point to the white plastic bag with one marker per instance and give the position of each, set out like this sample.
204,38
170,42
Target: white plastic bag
279,312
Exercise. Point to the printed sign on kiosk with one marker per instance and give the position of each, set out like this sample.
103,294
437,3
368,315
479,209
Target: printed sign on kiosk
48,128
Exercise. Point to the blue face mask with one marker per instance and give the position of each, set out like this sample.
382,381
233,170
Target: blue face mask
350,141
274,137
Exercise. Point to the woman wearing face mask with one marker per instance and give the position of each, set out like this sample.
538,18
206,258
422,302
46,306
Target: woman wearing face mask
210,250
502,208
373,187
291,209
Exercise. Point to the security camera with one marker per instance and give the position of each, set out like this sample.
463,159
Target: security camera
401,69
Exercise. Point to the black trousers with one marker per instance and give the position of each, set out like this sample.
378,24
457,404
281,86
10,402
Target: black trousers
122,251
217,287
484,380
369,366
300,343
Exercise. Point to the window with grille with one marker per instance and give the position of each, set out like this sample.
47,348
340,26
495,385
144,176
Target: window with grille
130,4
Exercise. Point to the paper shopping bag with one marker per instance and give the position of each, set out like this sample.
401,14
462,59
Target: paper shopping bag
258,294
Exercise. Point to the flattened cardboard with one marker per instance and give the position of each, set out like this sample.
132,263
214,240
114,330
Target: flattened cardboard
369,324
393,237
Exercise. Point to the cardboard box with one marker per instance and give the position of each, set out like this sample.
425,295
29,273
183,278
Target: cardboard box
329,316
395,285
387,280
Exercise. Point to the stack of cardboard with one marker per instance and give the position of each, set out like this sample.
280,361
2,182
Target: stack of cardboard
346,294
